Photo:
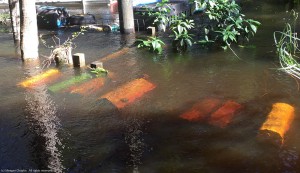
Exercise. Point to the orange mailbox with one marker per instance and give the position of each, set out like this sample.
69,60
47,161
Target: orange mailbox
223,116
201,110
279,119
129,92
45,77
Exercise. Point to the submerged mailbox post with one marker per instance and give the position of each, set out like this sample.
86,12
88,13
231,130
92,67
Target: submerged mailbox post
88,88
278,121
201,110
78,60
213,112
223,116
129,92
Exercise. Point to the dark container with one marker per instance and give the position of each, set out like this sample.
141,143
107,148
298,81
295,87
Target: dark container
51,17
82,19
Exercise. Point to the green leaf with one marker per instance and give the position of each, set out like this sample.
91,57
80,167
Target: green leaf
180,29
254,22
246,29
181,42
225,37
206,38
229,27
232,38
189,42
254,28
154,45
206,31
224,47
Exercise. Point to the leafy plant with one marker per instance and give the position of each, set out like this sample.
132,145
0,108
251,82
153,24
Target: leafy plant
99,71
180,26
4,18
230,23
287,48
160,13
151,43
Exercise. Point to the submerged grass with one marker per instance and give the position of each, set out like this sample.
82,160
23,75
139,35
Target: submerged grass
70,82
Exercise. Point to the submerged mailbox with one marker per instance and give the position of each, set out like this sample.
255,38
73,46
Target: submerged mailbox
278,121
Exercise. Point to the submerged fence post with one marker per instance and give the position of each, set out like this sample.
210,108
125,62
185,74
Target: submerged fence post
97,64
78,60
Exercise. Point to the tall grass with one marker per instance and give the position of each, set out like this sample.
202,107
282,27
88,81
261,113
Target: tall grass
287,48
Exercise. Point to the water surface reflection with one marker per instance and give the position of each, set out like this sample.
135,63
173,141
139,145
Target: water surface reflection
69,132
44,124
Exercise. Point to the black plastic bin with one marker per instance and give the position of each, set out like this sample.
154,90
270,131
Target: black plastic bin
82,19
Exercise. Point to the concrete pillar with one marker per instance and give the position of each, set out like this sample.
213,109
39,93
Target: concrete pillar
14,8
29,31
83,6
126,16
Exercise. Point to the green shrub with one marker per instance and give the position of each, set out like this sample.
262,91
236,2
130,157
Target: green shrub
287,48
230,23
151,43
180,27
160,13
4,18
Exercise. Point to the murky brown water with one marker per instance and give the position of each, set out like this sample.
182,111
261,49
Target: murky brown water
42,128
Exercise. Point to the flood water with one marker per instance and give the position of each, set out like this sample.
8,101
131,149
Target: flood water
47,129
